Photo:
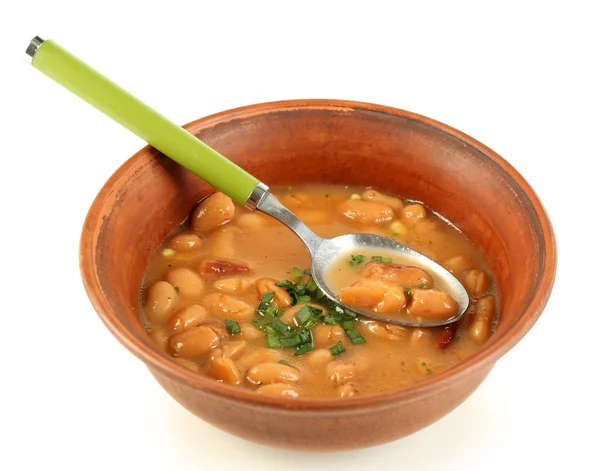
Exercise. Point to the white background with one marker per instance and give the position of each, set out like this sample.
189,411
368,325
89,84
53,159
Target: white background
522,78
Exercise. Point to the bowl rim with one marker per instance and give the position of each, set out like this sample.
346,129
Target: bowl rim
486,356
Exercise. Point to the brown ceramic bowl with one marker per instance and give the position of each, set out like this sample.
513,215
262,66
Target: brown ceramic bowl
338,142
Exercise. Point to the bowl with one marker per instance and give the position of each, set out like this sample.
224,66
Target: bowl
332,141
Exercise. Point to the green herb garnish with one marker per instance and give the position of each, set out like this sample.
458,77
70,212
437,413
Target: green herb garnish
348,325
355,337
337,349
232,327
297,273
273,341
379,258
300,337
283,362
356,259
265,301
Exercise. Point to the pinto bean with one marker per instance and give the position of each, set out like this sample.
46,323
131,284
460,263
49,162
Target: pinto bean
405,276
186,282
160,337
327,335
234,350
457,265
431,304
340,372
161,301
420,336
391,201
223,369
224,267
186,242
413,213
218,328
265,373
374,293
253,221
348,390
214,211
481,325
385,331
360,212
313,216
234,284
398,228
258,356
319,357
295,200
221,243
281,299
279,389
249,332
228,307
187,318
476,282
194,342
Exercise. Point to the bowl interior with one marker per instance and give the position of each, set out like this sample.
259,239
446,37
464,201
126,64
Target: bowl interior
337,142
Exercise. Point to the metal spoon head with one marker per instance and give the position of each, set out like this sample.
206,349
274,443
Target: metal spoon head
331,250
326,252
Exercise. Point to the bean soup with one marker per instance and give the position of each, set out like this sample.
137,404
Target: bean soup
230,295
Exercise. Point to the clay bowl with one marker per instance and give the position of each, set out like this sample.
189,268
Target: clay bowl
324,141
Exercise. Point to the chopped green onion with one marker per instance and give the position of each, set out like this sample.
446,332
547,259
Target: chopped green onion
356,259
283,362
272,311
265,301
304,315
304,299
355,337
337,349
386,259
297,273
307,272
286,284
302,349
273,341
290,341
260,323
423,363
280,327
329,320
424,287
232,327
348,325
311,287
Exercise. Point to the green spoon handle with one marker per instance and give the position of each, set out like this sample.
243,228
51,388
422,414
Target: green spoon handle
162,134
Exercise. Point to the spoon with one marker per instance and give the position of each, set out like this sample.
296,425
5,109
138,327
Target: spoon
187,150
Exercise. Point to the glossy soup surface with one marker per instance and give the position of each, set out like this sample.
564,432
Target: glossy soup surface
229,295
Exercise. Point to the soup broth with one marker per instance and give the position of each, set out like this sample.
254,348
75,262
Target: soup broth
230,295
